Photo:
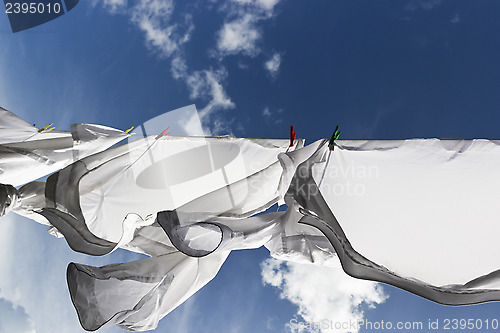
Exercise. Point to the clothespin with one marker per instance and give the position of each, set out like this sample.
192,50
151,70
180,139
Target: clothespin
46,128
335,136
163,133
292,136
128,131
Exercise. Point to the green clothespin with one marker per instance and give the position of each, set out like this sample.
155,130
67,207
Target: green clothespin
335,136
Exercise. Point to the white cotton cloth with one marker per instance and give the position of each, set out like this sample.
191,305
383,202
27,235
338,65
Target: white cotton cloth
417,214
27,154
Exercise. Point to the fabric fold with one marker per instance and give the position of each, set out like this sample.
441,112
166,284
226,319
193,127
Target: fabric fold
100,202
136,295
317,212
416,214
28,153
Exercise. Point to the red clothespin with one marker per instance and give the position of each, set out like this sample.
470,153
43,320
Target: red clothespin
163,133
292,136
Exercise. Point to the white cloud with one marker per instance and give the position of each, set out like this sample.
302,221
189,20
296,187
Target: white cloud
153,18
267,5
221,127
455,19
273,64
14,318
115,6
242,65
219,96
264,5
193,126
266,112
422,4
205,84
240,33
167,38
321,293
33,266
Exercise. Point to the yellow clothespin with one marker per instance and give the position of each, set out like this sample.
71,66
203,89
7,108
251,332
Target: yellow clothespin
128,131
46,128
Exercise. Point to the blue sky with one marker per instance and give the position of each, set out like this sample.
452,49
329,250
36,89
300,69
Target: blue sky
381,69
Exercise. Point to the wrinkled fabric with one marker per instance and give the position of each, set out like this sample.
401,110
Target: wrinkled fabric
99,202
8,198
116,198
363,201
136,295
410,192
27,153
420,215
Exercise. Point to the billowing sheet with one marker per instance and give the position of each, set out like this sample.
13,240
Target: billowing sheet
27,153
416,214
97,203
119,197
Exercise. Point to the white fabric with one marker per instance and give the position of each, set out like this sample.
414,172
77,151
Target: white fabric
120,193
426,209
217,176
417,214
136,295
27,154
13,128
